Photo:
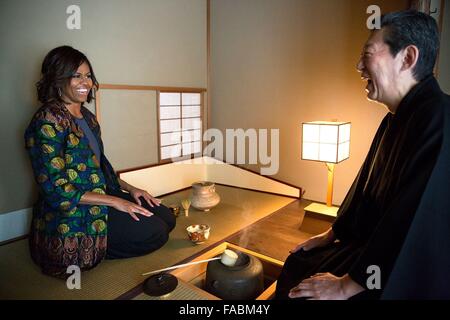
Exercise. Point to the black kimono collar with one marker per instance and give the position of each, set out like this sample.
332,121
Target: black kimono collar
425,88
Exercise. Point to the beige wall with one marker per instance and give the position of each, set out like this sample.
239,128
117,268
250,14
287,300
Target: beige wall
148,42
127,119
444,58
276,64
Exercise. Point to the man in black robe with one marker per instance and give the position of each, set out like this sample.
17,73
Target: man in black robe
421,270
355,257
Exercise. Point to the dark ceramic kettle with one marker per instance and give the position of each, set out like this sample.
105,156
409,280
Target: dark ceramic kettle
244,281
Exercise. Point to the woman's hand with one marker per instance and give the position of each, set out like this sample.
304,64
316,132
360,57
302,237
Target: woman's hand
136,193
320,240
326,286
120,204
130,207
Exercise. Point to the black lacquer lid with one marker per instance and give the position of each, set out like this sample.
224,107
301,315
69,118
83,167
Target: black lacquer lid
160,284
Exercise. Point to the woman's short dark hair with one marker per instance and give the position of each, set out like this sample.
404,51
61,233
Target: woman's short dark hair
58,67
410,27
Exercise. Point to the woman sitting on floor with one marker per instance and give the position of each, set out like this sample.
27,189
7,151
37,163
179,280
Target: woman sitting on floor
82,215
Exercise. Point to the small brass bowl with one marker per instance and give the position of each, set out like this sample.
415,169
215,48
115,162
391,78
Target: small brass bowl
175,209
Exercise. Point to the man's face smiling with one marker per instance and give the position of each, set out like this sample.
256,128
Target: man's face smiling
380,69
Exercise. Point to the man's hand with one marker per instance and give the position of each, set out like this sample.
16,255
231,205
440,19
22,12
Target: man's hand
325,286
136,193
320,240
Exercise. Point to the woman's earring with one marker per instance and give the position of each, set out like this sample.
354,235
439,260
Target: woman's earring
59,92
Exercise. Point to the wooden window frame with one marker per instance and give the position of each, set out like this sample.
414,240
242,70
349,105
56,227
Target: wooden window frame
201,117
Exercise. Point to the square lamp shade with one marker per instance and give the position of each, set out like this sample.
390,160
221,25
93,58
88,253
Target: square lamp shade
327,142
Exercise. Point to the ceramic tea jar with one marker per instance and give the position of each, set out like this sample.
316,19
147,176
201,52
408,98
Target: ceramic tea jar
204,195
244,281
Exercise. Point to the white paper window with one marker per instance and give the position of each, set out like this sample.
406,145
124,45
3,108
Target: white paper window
191,148
170,125
169,99
191,135
191,111
169,112
190,99
180,127
191,123
171,152
170,138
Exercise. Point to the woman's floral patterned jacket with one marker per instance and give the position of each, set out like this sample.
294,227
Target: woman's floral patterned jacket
63,231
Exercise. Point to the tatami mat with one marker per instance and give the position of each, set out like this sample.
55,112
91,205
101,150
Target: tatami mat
20,278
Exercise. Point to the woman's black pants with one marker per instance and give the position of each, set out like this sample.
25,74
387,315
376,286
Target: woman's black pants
130,238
